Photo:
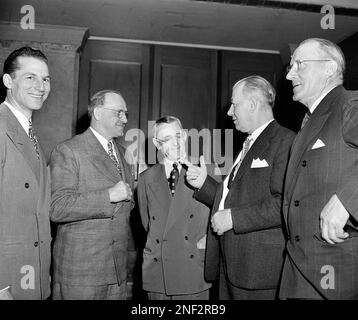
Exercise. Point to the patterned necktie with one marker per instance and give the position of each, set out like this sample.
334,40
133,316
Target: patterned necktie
306,118
33,139
112,156
173,178
244,151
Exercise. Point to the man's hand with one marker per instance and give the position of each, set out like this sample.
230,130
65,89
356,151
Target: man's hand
221,221
120,192
196,175
333,218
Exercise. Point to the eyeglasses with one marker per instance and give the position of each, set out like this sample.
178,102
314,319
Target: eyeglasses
119,113
298,64
168,139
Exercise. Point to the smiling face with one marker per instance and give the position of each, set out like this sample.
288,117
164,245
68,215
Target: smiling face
241,109
170,140
29,86
109,123
311,79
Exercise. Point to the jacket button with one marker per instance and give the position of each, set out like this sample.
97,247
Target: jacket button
297,203
297,238
191,256
27,185
191,216
153,218
112,218
155,259
186,238
304,163
157,241
36,244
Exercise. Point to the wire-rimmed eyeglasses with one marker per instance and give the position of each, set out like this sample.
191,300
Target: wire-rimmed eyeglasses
298,64
119,113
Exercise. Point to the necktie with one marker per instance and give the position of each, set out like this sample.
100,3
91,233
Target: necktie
173,178
112,156
306,118
33,139
244,151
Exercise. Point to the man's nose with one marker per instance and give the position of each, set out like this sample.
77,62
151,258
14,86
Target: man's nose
229,113
39,85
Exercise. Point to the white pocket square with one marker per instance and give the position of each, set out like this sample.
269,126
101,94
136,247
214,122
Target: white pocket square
257,163
318,144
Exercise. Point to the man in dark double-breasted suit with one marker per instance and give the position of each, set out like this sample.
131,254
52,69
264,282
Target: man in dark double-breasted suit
246,242
321,191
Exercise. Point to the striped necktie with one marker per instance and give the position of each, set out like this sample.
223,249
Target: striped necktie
34,139
244,151
113,157
306,118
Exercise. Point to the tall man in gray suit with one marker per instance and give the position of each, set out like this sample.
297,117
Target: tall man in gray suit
92,187
321,190
246,242
25,238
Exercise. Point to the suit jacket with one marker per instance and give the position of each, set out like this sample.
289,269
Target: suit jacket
252,251
324,162
25,238
172,263
92,236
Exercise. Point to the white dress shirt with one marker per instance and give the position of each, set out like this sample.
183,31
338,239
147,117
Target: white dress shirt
104,142
254,135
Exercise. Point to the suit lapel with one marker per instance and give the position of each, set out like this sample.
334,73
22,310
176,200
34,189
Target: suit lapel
22,142
179,202
100,158
258,148
305,138
159,188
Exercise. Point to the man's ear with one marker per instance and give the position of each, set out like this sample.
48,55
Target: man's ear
253,104
7,80
96,113
332,68
185,134
156,143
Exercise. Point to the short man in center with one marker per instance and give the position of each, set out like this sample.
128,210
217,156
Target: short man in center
246,242
173,257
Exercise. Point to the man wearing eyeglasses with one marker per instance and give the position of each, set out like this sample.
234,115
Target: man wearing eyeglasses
92,185
176,224
321,190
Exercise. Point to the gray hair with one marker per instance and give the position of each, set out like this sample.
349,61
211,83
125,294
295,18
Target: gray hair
163,120
98,100
331,51
258,84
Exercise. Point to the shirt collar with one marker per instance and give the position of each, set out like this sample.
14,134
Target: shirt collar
20,117
102,140
255,134
320,98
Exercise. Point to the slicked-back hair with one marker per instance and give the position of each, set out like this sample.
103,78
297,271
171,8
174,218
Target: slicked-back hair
259,85
332,51
165,120
98,98
11,64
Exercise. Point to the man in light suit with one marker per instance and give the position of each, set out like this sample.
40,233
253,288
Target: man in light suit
246,242
92,187
321,190
173,257
25,186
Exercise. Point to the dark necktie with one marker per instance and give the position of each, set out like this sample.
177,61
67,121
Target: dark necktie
244,151
173,178
306,118
112,156
33,139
